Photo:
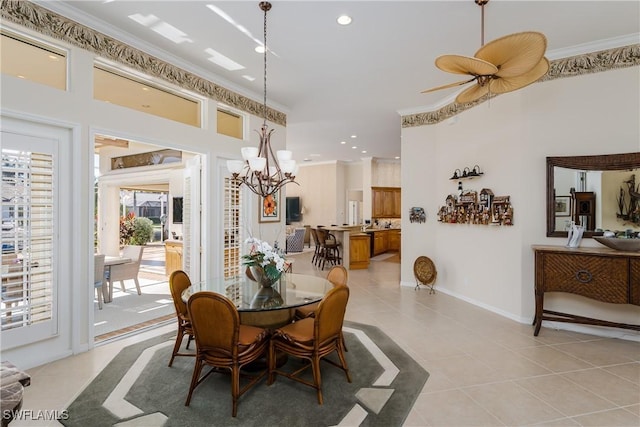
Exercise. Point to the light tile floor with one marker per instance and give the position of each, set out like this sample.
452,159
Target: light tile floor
485,369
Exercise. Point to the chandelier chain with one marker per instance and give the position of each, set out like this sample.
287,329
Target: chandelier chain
264,78
261,171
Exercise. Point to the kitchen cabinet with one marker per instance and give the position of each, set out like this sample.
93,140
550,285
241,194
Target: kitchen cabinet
173,256
394,239
386,202
359,251
380,242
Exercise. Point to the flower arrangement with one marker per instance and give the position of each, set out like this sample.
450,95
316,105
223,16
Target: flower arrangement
263,255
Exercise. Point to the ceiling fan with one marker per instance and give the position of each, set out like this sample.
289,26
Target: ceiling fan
502,65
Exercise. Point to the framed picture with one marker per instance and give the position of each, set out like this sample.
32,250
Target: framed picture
563,206
269,208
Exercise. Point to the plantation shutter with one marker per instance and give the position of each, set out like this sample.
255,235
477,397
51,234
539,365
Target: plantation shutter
28,234
232,228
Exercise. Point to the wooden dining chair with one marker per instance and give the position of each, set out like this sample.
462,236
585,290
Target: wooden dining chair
178,282
313,339
223,343
338,276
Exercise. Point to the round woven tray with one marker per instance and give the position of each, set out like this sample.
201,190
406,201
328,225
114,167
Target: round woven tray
424,270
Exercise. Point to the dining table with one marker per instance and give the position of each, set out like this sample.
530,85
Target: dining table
110,260
267,307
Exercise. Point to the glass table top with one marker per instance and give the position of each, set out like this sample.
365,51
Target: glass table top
292,290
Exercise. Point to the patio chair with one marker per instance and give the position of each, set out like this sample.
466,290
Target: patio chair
128,270
98,278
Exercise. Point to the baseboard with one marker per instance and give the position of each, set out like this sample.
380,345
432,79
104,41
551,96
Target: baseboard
605,332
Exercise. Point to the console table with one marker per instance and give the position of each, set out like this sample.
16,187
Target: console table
601,274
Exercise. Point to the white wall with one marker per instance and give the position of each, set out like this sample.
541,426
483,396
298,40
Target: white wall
77,109
509,138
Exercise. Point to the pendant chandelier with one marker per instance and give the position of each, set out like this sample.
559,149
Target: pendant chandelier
261,171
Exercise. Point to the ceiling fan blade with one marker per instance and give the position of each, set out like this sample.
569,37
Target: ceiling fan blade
514,54
502,85
472,93
448,86
459,64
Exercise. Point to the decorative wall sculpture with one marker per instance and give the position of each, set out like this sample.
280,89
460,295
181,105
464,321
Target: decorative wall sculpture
469,207
417,215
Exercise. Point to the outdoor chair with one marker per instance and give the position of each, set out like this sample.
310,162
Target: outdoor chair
128,270
98,278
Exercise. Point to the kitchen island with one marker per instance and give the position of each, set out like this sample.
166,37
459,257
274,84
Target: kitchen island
353,241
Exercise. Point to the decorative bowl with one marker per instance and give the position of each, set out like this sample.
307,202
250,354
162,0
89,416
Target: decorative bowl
629,245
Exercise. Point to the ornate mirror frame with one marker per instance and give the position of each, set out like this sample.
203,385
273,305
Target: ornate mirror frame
587,163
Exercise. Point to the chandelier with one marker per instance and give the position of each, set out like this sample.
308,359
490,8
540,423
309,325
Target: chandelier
261,171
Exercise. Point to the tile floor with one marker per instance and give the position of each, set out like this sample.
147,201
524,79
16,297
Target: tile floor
485,369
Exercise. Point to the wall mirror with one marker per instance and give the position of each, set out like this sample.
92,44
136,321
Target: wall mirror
598,192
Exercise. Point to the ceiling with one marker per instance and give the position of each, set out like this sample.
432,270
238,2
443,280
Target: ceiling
336,81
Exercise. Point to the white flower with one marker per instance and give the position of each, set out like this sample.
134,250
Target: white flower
261,253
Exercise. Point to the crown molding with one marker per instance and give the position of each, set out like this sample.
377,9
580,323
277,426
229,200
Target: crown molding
577,65
54,25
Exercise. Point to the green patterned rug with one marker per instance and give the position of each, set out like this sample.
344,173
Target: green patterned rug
138,389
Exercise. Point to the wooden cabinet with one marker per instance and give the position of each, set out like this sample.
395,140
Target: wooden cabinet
359,255
172,256
394,240
386,202
380,242
597,273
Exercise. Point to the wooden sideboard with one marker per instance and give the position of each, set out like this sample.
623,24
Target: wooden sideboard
600,274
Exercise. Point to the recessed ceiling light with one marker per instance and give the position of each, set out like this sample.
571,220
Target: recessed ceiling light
397,157
343,142
344,20
364,151
354,147
354,136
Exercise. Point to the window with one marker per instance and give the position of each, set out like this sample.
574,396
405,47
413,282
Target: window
116,87
230,123
32,60
27,238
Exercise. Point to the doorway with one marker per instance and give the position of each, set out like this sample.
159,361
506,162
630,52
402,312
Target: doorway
142,193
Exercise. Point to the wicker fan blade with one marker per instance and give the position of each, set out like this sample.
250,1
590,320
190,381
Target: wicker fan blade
459,64
515,54
448,86
502,85
472,93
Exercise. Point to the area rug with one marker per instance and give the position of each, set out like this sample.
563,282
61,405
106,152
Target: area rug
138,389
